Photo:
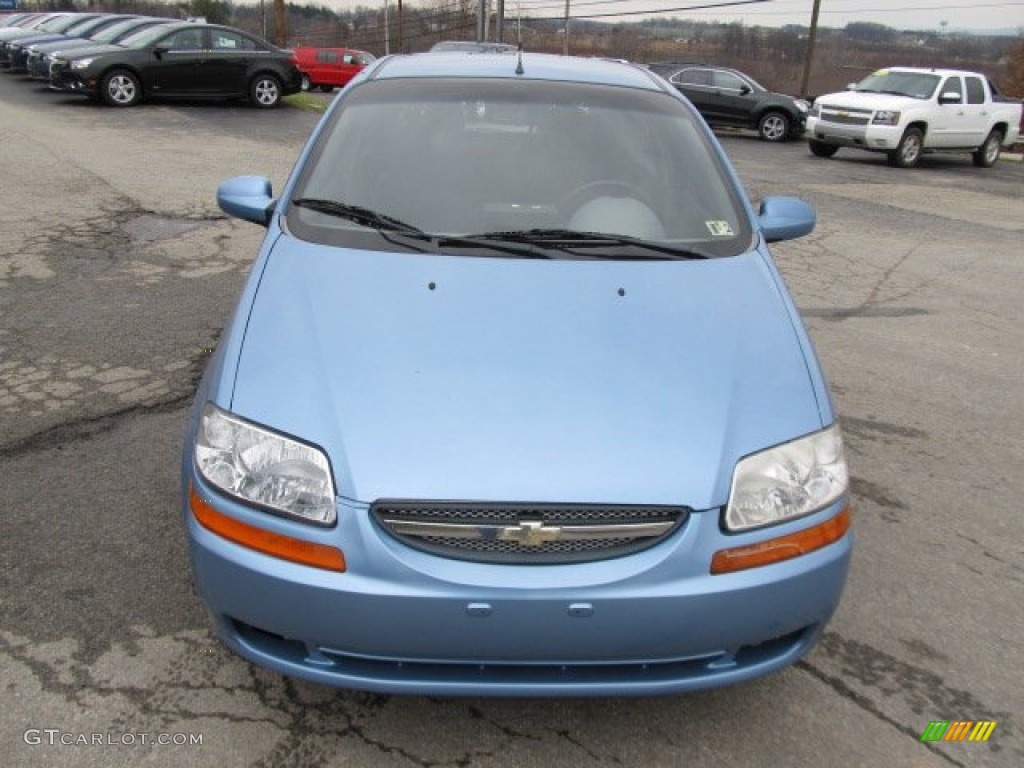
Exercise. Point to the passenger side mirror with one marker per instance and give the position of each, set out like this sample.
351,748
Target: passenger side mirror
785,218
249,198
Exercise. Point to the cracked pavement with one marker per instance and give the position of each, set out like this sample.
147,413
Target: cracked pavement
117,273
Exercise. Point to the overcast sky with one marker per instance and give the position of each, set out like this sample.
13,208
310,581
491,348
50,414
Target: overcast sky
902,14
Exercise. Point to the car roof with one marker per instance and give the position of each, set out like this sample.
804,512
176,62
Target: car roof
174,25
535,66
928,71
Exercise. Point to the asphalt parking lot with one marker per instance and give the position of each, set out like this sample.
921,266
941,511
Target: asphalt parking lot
117,272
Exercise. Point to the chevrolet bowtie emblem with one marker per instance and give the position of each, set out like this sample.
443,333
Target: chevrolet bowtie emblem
530,533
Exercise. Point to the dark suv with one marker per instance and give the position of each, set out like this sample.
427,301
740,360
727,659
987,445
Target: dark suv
728,97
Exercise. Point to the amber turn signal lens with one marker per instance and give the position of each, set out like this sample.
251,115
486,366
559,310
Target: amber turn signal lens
261,540
782,548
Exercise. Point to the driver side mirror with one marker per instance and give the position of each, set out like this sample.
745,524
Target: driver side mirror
744,90
950,97
160,50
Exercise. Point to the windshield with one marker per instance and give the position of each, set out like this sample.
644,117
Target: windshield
753,83
83,28
917,85
508,161
114,30
63,23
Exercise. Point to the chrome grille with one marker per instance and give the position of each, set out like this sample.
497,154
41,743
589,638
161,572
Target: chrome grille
845,116
526,533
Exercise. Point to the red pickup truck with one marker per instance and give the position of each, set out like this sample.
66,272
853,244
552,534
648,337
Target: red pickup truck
325,68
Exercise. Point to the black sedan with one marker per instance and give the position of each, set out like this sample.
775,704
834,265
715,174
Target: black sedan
726,96
186,59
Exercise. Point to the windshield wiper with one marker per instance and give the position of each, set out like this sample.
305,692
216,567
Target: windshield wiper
360,215
388,225
501,245
570,239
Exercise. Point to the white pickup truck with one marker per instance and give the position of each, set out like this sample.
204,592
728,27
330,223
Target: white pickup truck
906,112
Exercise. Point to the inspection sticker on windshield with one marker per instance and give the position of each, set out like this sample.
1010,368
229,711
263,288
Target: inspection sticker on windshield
719,228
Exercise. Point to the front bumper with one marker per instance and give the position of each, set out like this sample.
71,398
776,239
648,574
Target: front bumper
64,79
38,67
404,621
879,138
17,59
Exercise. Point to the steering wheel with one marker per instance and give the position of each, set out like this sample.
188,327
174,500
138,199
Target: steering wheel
600,188
612,207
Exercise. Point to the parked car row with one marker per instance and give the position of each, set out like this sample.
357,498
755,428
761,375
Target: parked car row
903,112
122,59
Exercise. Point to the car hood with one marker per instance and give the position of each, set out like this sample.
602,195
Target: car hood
863,100
61,45
91,50
448,377
26,40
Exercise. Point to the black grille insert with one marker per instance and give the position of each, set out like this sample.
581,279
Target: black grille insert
515,532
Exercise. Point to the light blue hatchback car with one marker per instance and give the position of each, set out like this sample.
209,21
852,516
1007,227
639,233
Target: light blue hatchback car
515,401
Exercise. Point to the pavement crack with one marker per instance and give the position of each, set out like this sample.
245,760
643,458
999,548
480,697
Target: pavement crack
86,428
866,704
861,670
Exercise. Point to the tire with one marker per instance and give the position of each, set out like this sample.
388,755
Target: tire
987,154
821,149
306,85
326,88
908,151
774,126
120,88
265,91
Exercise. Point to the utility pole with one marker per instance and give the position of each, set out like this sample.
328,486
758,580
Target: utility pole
281,31
812,35
499,21
481,22
565,31
387,35
399,26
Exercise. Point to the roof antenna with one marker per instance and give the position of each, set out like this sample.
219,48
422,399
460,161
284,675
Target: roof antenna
519,39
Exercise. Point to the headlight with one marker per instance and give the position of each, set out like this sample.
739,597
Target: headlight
886,117
81,63
787,481
801,105
264,468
